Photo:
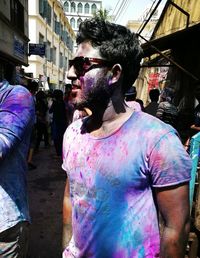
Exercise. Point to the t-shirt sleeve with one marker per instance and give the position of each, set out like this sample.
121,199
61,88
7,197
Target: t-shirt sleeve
169,163
17,115
65,148
68,142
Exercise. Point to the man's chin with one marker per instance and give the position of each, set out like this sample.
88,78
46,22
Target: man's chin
81,104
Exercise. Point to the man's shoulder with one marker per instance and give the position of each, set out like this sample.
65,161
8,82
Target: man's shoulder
74,127
17,89
151,124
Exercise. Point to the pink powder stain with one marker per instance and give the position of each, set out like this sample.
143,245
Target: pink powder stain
120,254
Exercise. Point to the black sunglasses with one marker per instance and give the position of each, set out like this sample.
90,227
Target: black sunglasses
84,64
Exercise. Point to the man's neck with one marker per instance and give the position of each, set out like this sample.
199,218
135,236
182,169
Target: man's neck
112,121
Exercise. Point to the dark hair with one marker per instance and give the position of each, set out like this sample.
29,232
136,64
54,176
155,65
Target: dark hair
116,43
58,94
32,86
40,95
9,73
131,94
168,94
154,94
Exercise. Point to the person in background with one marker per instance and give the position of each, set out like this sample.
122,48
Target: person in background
167,111
141,103
33,88
59,120
17,116
130,97
121,164
69,106
41,120
152,107
194,128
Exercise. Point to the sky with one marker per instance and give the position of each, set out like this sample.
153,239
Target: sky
133,10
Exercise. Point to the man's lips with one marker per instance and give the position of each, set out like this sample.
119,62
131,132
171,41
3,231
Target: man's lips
76,90
76,87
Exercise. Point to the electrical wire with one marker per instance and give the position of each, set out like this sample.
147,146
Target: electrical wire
147,14
121,15
120,9
116,7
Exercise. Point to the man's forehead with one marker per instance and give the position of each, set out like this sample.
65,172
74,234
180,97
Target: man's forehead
87,50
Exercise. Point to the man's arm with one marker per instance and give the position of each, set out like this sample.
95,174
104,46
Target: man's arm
17,112
173,204
67,217
194,127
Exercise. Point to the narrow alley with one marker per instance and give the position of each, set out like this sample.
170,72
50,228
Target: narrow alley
46,187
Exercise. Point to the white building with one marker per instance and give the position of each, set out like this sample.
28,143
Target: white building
77,11
48,25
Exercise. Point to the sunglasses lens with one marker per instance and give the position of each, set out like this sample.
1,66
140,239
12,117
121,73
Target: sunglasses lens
78,63
83,64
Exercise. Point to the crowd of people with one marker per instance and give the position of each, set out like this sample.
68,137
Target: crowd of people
123,165
54,112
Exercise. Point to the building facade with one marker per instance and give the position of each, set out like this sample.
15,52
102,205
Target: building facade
49,26
13,34
77,11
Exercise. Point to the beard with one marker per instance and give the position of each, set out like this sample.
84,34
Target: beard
97,100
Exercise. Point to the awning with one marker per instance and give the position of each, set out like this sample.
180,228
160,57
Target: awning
170,41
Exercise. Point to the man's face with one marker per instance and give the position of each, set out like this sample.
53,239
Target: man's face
87,72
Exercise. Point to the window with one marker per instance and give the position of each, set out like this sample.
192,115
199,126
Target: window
72,22
41,38
80,8
48,16
79,22
65,62
66,7
48,51
93,8
55,21
87,8
73,7
61,30
54,55
41,7
45,10
60,60
57,27
17,14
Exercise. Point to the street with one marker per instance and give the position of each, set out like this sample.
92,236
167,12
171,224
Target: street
46,187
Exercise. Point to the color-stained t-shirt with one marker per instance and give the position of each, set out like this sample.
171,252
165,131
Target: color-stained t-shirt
111,180
17,116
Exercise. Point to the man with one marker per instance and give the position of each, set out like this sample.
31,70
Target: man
16,120
152,107
120,164
130,97
167,111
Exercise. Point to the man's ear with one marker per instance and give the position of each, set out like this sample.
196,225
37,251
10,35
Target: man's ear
116,73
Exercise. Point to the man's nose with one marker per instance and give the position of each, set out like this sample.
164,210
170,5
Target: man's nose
71,73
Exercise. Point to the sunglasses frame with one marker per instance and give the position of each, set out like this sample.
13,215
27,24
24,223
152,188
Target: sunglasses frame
80,64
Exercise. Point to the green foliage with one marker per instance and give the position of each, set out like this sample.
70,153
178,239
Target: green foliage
103,14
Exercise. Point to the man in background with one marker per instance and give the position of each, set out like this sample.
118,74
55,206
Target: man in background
130,99
152,107
16,120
